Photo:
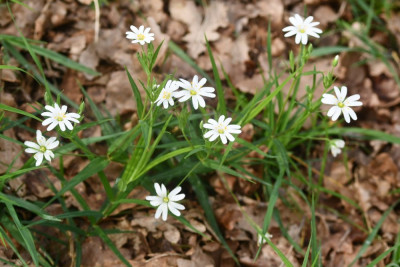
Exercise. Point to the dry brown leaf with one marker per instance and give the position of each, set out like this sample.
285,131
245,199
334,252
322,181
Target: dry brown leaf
9,152
89,58
324,14
216,16
119,98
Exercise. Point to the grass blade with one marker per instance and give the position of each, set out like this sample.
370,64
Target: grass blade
221,108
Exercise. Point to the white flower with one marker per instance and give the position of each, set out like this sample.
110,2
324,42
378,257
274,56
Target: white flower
301,28
167,93
195,91
59,116
221,129
140,35
341,104
261,240
336,146
42,148
166,201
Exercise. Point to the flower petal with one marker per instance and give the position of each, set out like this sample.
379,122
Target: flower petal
304,39
332,111
329,99
174,192
223,138
206,135
201,101
212,138
159,211
298,38
31,150
31,145
39,158
195,103
343,93
351,112
346,115
337,113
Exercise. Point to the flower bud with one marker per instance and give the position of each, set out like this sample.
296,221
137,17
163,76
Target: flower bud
335,61
81,107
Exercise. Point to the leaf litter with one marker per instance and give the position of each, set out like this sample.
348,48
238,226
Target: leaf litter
237,31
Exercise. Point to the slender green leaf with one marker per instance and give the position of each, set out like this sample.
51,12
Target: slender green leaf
136,93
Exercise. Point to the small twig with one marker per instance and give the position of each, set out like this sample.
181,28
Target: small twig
97,20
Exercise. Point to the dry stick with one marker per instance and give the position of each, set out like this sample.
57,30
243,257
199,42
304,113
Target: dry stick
97,20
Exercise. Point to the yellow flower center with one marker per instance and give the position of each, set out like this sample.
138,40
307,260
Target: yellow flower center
165,199
140,36
42,149
340,104
302,29
193,92
221,129
167,95
60,117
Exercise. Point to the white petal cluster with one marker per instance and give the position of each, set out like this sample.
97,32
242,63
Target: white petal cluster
261,240
221,129
195,91
167,94
302,28
140,35
59,116
336,146
341,104
42,148
166,202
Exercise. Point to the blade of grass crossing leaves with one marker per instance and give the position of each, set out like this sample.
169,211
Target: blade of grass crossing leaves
10,67
120,144
136,93
26,205
167,156
21,59
269,45
383,256
10,243
221,108
202,196
54,56
25,234
305,261
257,109
105,127
374,232
18,111
92,168
180,53
18,173
110,244
78,253
285,233
131,168
396,253
25,44
283,167
329,50
279,253
368,133
314,242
